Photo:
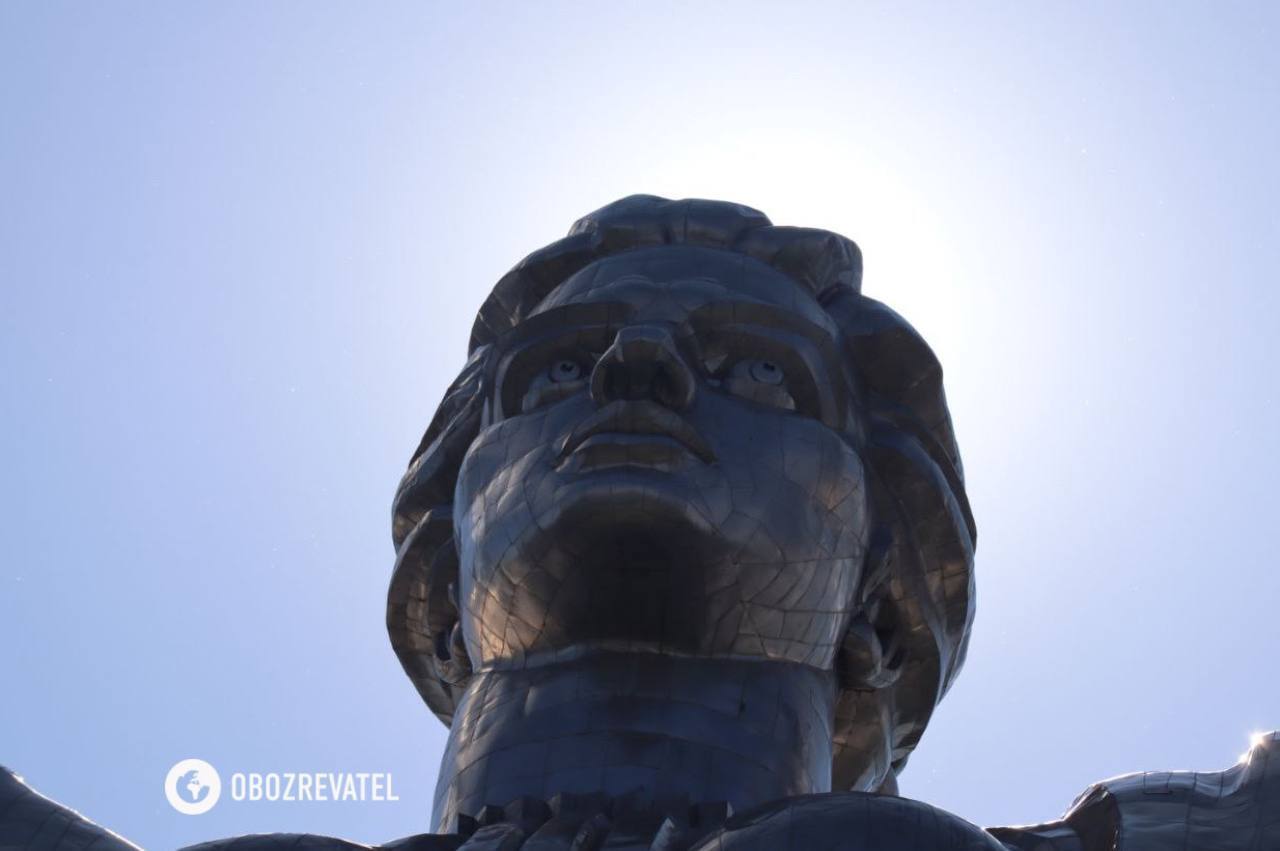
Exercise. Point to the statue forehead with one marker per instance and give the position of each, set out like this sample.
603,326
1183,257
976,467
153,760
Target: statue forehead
668,282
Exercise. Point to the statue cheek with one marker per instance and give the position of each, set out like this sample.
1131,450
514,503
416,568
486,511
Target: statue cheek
842,486
486,459
500,447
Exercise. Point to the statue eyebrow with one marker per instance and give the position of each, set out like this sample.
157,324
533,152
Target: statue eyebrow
760,314
554,321
609,314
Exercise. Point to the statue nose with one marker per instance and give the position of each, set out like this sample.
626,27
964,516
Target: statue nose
643,363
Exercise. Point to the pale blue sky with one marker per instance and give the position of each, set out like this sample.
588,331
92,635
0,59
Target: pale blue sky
241,246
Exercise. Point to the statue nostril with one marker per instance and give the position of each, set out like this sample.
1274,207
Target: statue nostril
643,363
677,384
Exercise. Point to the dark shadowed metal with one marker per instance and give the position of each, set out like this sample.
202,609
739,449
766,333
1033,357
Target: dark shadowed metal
896,421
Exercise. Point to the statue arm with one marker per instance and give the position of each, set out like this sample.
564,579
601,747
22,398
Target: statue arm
31,822
1170,811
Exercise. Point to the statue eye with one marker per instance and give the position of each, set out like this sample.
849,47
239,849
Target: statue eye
761,381
562,378
565,370
765,371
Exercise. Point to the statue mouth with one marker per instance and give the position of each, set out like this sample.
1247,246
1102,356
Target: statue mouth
629,421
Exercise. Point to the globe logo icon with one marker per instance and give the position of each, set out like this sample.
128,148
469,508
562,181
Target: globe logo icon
192,786
190,789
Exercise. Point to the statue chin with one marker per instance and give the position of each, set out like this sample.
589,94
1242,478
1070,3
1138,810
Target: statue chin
606,577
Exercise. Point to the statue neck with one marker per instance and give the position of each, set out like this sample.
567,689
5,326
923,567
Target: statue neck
660,726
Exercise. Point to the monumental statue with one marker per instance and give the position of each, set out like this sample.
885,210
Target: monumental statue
685,562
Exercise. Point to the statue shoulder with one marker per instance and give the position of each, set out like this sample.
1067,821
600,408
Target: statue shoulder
278,842
1170,810
32,822
848,821
312,842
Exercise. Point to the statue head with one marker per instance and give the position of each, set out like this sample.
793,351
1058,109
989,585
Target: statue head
684,431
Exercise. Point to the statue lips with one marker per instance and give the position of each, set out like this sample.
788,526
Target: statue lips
635,433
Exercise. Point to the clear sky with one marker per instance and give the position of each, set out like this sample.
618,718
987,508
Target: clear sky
241,246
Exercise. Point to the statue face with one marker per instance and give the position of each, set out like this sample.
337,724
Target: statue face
666,463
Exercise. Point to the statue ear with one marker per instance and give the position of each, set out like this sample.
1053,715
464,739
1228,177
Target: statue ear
871,654
453,666
452,663
423,613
